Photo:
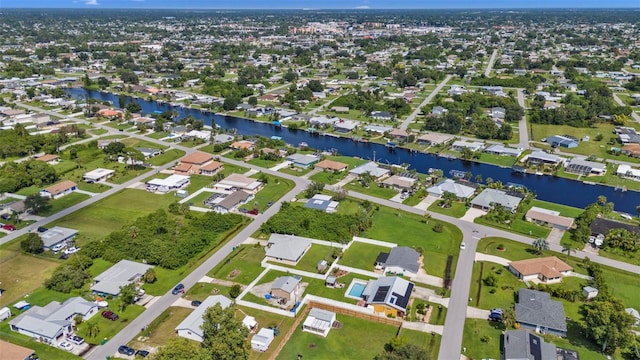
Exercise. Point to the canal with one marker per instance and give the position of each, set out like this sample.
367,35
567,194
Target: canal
548,188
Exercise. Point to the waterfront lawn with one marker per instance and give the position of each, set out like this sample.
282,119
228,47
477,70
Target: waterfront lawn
503,161
274,189
362,255
167,156
562,209
475,331
245,261
43,351
457,209
109,328
427,341
373,190
64,202
412,230
347,342
162,328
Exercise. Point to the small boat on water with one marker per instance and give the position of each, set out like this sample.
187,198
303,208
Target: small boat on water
539,173
303,145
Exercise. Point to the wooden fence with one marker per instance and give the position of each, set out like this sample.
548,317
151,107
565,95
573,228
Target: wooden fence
357,314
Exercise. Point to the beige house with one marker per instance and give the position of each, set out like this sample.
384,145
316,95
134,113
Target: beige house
548,270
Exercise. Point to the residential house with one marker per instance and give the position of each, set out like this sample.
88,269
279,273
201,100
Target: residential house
112,114
104,143
191,326
123,273
288,249
59,190
340,109
636,315
286,287
399,134
400,182
585,168
97,175
52,323
489,197
262,340
602,226
473,145
549,218
322,202
536,311
173,182
632,150
381,115
198,163
502,150
303,160
400,260
319,322
461,191
497,113
11,351
56,236
548,270
222,138
377,129
149,152
388,295
232,201
238,182
372,168
49,159
433,139
541,157
345,126
243,145
562,141
524,345
330,165
438,110
628,172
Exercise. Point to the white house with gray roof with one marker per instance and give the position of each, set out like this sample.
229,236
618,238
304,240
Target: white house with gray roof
57,235
372,168
541,157
536,311
472,145
319,322
287,249
52,323
121,274
448,185
585,167
400,260
286,287
501,150
190,327
489,197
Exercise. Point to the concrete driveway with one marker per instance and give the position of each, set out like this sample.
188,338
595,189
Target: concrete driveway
472,214
555,237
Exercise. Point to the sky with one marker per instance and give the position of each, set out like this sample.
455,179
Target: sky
319,4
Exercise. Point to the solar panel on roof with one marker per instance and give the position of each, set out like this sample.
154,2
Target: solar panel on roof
381,294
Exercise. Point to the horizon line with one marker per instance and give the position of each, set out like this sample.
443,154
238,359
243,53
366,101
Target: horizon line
97,7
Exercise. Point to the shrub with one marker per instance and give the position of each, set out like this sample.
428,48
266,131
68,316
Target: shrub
438,227
235,291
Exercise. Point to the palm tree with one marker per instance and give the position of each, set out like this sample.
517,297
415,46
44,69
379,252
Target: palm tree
540,245
509,318
92,329
568,249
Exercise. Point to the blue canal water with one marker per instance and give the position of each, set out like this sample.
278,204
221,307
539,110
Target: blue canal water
548,188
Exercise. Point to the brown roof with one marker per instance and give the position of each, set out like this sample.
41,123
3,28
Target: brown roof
47,157
242,144
60,187
197,158
331,165
182,167
549,267
211,166
549,218
9,351
399,132
632,149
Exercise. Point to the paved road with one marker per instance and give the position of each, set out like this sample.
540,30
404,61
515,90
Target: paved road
492,60
523,131
634,115
410,118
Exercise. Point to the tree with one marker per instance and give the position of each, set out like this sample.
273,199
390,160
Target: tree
606,322
312,189
224,336
622,239
405,352
127,295
509,318
540,245
568,249
32,244
92,329
253,101
234,291
133,107
134,156
181,348
150,276
38,204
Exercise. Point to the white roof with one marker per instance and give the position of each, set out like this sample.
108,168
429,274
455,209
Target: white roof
449,185
56,234
239,181
172,181
120,274
98,173
319,319
194,320
264,337
371,168
287,247
249,322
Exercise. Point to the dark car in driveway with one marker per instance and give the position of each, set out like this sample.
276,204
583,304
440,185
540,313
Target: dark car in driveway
178,289
196,303
142,353
107,314
125,350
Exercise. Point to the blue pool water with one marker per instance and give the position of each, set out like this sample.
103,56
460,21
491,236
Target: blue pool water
357,289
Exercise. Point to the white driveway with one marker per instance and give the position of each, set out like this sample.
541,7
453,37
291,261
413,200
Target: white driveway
426,202
472,214
493,259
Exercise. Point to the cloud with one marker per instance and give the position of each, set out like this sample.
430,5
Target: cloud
363,7
91,2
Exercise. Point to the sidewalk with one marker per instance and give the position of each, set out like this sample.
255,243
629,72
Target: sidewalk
492,258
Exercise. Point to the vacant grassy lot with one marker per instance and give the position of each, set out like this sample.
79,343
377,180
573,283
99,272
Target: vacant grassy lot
475,331
274,189
345,343
162,329
500,296
167,156
64,202
134,142
362,256
411,230
245,261
518,224
107,327
505,161
430,342
373,190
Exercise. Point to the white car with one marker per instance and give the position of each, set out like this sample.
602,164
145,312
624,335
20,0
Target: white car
58,247
71,250
462,246
65,345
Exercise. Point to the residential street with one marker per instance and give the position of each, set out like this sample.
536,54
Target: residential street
523,131
410,118
492,60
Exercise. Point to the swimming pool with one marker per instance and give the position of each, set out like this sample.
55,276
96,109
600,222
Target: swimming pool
356,289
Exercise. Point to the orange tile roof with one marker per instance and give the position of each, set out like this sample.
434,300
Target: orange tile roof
331,165
197,158
549,267
182,168
60,187
109,112
242,144
47,157
212,166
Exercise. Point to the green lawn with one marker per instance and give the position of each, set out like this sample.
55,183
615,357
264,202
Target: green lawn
373,190
201,291
504,161
264,163
167,156
345,343
474,331
562,209
362,256
135,142
328,177
518,225
457,209
159,135
311,259
428,341
26,191
274,189
438,313
244,261
412,230
162,328
295,171
42,350
64,202
107,327
266,319
503,295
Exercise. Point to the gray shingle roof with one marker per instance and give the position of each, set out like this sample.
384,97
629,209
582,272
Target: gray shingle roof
48,321
537,308
120,274
285,283
404,257
522,344
493,196
287,247
194,320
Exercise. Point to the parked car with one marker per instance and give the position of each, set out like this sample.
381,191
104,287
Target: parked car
42,229
495,317
462,246
179,289
110,315
196,303
243,210
9,227
58,247
65,345
76,339
269,204
71,250
253,212
8,216
496,310
125,350
142,353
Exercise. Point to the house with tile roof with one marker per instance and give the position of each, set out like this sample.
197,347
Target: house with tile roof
330,165
59,190
548,270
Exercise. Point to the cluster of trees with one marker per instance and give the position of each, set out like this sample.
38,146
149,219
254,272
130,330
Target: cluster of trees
398,349
116,149
223,338
591,212
18,142
517,82
369,101
71,275
15,176
163,239
316,224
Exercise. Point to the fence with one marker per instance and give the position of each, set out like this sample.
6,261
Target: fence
357,314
